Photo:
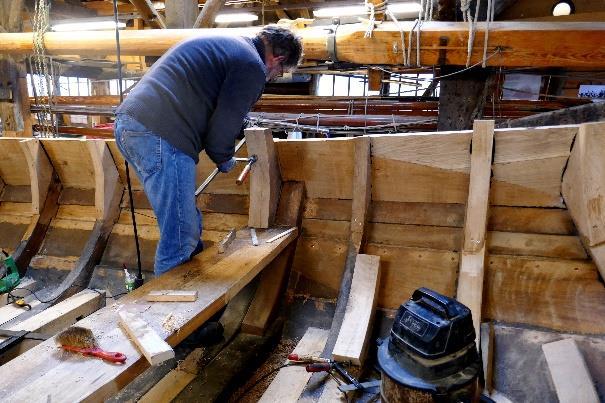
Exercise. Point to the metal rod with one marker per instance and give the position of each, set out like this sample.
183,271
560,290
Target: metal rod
244,174
209,179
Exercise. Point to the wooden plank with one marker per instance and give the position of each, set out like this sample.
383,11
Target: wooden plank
71,159
13,165
172,296
583,188
55,319
530,220
217,280
149,343
273,280
121,166
513,145
10,312
289,382
558,294
325,165
569,372
557,246
265,180
470,281
434,214
107,181
362,183
355,331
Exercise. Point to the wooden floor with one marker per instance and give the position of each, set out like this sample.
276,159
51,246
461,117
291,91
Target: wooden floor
48,374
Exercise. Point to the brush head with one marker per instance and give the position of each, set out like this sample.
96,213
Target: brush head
76,336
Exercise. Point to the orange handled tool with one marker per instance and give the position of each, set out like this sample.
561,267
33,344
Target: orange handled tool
97,352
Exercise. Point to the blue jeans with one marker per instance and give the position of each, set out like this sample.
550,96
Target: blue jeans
168,177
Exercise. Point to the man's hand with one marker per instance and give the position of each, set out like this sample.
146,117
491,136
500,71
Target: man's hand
226,166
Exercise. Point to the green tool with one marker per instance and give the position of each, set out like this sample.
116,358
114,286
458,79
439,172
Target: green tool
11,279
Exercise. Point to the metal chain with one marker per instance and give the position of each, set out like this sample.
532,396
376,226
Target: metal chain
40,67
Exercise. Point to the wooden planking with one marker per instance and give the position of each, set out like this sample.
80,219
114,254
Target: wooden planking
403,270
513,145
327,209
558,246
76,213
71,159
416,236
40,172
356,328
445,150
434,214
289,382
107,182
569,373
149,343
558,294
470,279
216,279
13,165
326,166
362,191
583,187
530,220
265,179
172,296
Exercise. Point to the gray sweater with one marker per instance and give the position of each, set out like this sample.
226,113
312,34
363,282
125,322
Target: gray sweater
197,95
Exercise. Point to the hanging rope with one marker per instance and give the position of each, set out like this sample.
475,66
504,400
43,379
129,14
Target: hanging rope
40,66
465,7
373,9
489,18
390,14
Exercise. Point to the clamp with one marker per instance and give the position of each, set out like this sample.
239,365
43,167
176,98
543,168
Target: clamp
246,171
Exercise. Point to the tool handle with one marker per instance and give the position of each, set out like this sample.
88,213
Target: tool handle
97,352
306,358
319,367
245,172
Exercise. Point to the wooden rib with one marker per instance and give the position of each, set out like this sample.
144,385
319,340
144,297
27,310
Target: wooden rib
13,165
216,280
107,180
265,180
470,281
362,186
149,13
569,373
583,189
40,172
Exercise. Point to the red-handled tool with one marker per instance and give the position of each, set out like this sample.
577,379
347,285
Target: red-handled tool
306,358
319,367
97,352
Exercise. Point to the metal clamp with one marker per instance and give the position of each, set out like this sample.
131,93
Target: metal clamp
242,176
331,40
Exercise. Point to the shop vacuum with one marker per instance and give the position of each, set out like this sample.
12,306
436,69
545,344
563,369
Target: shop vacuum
430,354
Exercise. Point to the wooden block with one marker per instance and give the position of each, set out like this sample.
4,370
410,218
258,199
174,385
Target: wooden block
171,296
470,281
152,346
265,179
355,332
227,240
569,372
289,382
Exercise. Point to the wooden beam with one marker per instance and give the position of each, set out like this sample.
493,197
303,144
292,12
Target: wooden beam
592,112
289,382
265,179
519,44
274,278
149,13
171,296
356,330
149,343
569,372
583,189
55,319
180,13
209,12
217,281
108,189
40,172
472,260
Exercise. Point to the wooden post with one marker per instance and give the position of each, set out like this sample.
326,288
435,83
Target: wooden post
40,172
584,190
181,13
265,179
108,188
362,188
206,17
149,13
470,280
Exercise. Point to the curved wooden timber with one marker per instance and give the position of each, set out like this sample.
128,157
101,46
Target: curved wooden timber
515,44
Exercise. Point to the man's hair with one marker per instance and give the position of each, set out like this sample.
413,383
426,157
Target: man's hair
283,42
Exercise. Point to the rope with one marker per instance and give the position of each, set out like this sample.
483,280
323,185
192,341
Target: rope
489,18
390,14
465,7
372,9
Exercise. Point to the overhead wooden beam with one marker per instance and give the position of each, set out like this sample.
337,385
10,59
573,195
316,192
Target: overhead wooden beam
472,262
583,189
149,13
265,179
569,373
592,112
515,44
209,12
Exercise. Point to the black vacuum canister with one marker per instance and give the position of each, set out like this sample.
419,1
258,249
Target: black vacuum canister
430,352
